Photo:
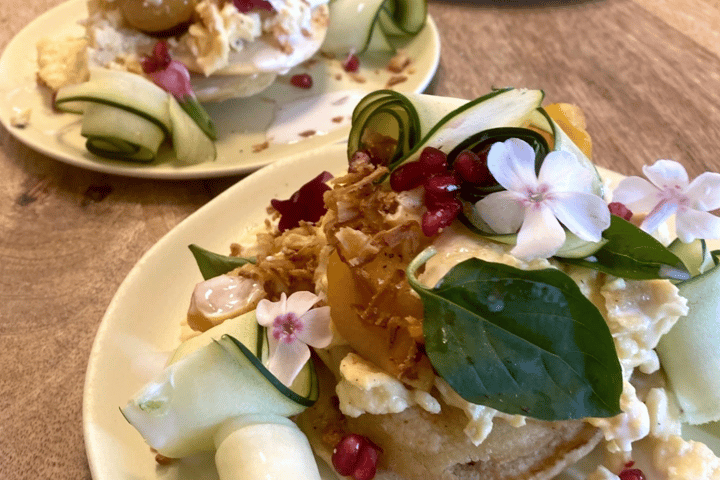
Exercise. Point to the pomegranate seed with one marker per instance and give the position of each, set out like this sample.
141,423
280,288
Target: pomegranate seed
433,160
440,217
302,80
617,208
440,189
355,455
366,464
632,474
244,6
351,63
306,204
407,177
471,167
159,60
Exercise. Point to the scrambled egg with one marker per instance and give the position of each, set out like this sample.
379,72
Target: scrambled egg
638,314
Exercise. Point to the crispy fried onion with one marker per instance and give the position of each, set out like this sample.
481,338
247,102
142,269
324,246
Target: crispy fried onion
372,304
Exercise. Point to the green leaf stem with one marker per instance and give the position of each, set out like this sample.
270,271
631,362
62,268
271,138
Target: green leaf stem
522,342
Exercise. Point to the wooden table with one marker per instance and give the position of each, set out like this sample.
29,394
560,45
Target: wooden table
646,72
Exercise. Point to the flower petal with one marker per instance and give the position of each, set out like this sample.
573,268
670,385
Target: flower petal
287,359
502,211
565,173
704,191
667,175
301,302
512,163
266,311
316,330
662,211
540,236
636,194
584,214
691,224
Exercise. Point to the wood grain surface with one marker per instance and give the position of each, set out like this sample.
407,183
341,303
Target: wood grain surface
646,72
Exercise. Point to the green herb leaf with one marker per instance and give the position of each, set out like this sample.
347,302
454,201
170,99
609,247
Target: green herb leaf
634,254
522,342
213,264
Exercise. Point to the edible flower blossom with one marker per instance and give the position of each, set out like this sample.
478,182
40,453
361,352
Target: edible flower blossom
292,325
537,204
669,192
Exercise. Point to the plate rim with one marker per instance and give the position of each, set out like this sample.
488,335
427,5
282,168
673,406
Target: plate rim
128,169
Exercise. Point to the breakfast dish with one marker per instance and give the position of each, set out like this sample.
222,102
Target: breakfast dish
286,119
462,280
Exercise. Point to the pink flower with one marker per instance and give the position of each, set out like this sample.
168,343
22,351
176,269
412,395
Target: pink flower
669,192
292,325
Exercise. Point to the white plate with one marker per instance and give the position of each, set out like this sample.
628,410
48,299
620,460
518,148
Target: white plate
279,114
142,323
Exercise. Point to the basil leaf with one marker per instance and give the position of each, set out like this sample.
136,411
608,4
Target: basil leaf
521,342
213,264
634,254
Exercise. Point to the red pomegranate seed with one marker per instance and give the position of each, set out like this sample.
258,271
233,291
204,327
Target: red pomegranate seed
433,160
440,217
351,63
302,80
356,456
471,167
632,474
617,208
366,464
244,6
440,189
407,177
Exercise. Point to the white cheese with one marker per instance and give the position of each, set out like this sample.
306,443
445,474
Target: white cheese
630,426
684,460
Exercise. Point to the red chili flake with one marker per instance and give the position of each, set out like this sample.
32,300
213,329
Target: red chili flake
355,456
351,63
302,80
304,205
617,208
244,6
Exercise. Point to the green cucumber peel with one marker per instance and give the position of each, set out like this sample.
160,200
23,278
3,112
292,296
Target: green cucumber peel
695,255
199,115
521,342
214,264
633,254
312,389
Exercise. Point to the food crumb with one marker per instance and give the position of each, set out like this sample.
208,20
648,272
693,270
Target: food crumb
163,460
398,63
338,76
307,133
328,55
20,117
358,78
337,119
395,79
260,146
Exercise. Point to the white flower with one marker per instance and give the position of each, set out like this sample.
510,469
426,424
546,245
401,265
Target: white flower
671,193
538,204
292,326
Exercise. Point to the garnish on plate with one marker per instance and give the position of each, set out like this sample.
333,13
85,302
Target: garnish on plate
491,337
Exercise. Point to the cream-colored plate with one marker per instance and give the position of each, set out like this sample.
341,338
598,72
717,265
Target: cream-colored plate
142,324
284,116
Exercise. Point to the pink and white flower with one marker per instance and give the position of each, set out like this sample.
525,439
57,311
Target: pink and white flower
537,206
292,325
669,192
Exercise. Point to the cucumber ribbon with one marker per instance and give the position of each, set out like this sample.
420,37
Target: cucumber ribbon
127,117
374,25
690,351
417,121
216,394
